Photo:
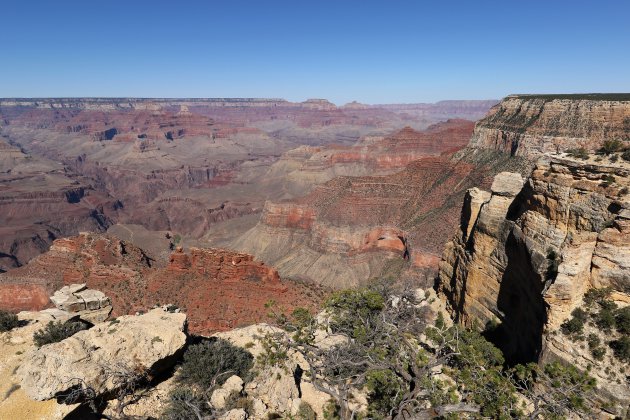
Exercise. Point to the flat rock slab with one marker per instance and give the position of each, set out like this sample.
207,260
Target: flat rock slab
134,342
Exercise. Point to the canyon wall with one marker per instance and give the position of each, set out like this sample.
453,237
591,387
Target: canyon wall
530,125
39,202
529,250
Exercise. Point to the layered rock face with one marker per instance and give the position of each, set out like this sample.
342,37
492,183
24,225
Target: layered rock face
530,125
39,202
352,229
219,289
185,165
527,252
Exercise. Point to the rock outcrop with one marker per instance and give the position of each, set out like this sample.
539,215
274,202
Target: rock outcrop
76,299
219,289
531,125
147,342
525,257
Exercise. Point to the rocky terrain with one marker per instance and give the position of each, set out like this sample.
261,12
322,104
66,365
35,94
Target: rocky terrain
220,289
533,250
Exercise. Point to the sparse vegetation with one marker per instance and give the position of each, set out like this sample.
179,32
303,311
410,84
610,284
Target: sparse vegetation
607,318
575,325
8,321
383,356
579,153
608,180
207,365
621,348
211,362
54,332
611,146
306,412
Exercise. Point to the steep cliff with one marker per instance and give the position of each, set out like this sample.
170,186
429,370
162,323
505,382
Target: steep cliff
530,125
528,252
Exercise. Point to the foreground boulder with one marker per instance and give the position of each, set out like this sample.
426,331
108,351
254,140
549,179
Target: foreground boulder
146,342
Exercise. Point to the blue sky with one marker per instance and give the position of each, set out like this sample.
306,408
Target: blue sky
371,51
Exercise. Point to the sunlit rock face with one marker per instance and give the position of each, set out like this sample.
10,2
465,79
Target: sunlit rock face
529,125
219,289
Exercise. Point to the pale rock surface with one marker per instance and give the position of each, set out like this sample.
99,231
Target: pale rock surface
220,396
274,390
236,414
499,269
148,341
14,347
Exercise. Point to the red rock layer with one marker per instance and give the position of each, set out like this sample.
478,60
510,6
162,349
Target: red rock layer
218,289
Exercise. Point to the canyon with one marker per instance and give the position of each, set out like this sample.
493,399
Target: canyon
181,165
253,201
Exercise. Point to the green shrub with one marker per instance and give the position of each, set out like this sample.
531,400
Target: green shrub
622,320
306,412
608,180
605,318
626,155
363,304
593,341
611,146
571,378
597,295
621,348
213,360
575,325
8,321
54,332
580,153
385,391
598,353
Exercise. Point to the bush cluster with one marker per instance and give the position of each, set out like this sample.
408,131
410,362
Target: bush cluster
8,321
607,317
205,366
579,153
54,332
209,361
